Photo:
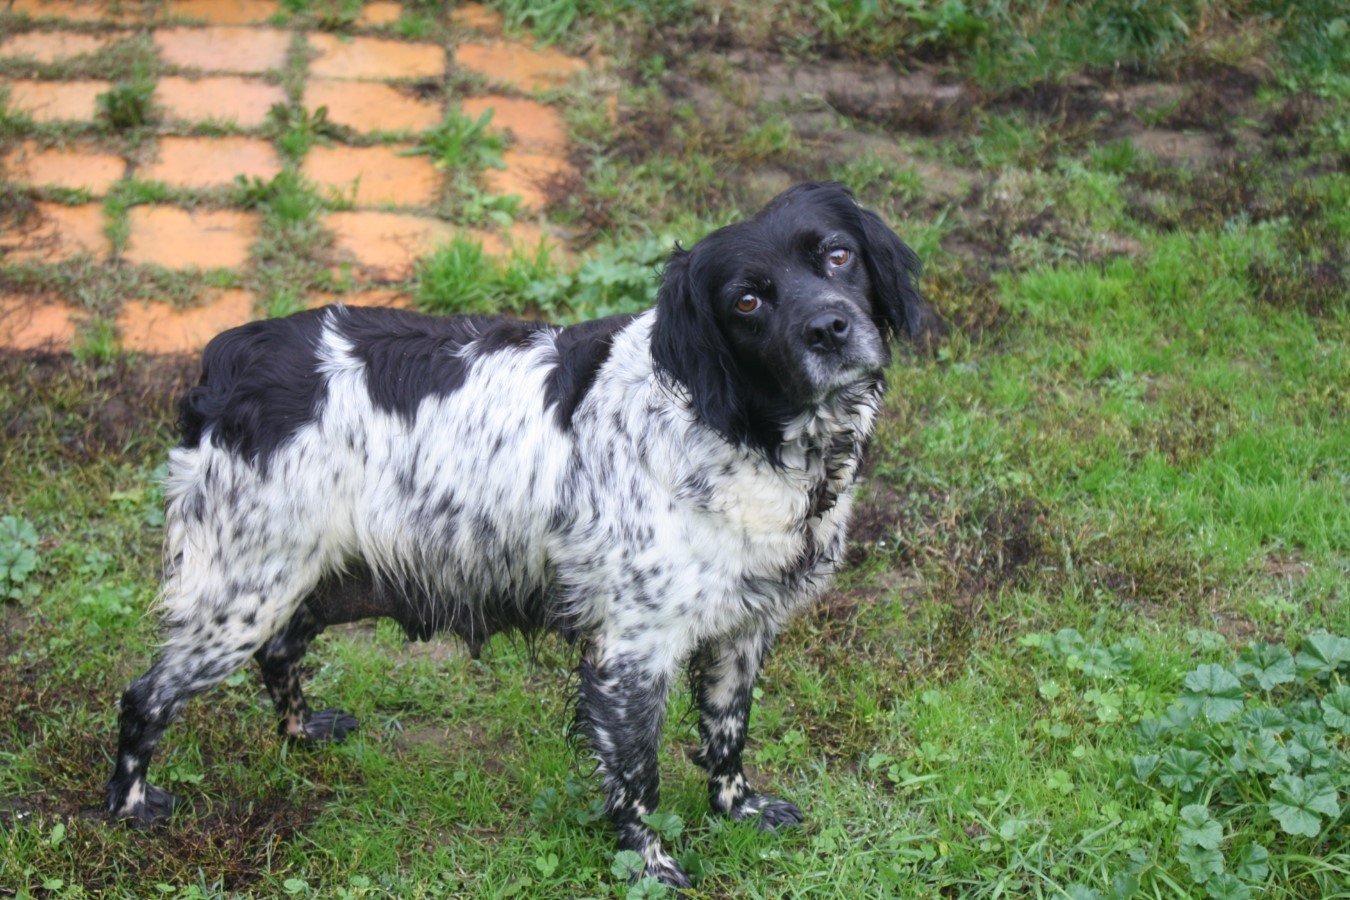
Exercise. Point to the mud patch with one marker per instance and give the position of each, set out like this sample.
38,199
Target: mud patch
1178,147
872,93
114,410
1216,101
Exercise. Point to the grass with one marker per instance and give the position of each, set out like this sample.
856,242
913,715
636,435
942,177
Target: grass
1123,462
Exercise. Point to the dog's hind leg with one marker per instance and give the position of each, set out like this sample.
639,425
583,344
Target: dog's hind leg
279,660
723,679
207,640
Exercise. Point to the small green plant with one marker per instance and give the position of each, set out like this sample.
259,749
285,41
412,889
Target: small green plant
296,129
464,145
97,342
127,105
285,198
1255,747
19,559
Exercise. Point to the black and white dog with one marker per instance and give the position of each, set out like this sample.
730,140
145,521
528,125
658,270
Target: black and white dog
664,489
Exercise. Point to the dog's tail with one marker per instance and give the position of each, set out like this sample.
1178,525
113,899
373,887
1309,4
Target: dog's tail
258,382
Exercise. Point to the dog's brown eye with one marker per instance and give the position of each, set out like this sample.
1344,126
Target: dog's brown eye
748,304
839,257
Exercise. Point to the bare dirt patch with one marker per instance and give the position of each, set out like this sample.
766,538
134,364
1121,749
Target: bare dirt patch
92,410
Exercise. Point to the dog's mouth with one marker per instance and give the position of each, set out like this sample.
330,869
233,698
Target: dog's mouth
842,375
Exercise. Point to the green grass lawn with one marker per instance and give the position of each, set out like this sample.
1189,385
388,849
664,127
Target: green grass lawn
1094,636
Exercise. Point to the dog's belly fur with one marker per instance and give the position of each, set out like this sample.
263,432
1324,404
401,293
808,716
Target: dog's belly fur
482,511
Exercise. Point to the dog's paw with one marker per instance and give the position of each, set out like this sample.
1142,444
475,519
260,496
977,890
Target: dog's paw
768,813
663,867
328,725
154,807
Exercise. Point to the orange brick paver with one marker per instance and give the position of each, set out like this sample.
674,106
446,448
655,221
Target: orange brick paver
519,65
478,17
370,106
533,124
380,12
51,46
72,10
57,234
384,246
526,175
29,324
373,176
224,98
56,101
223,48
377,297
181,239
223,12
194,162
156,327
374,58
74,168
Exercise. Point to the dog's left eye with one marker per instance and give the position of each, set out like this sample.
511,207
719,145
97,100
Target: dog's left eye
838,257
748,304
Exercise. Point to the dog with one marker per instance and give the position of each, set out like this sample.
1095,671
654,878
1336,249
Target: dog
662,489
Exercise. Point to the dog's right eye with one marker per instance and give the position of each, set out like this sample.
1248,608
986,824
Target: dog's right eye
748,305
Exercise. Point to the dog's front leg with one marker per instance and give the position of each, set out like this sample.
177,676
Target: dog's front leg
723,675
620,709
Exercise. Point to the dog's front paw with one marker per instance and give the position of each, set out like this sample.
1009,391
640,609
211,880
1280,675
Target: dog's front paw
663,867
769,813
153,806
331,725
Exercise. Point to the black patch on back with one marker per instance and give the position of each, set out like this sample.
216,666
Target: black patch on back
582,350
409,356
260,384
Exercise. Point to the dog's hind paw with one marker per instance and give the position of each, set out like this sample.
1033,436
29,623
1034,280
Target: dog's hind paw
328,725
769,813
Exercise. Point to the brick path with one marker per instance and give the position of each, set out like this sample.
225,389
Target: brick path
219,68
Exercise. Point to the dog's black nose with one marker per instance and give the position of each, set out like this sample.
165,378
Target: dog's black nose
827,331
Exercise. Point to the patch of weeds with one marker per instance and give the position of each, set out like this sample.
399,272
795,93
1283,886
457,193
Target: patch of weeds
413,26
296,129
1115,157
461,277
1314,50
620,278
13,121
873,176
287,258
553,20
19,559
97,343
1256,747
478,207
335,15
127,106
464,145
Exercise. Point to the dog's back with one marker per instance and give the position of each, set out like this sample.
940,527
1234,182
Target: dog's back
420,459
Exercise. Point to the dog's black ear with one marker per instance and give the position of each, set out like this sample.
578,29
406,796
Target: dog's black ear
688,346
894,270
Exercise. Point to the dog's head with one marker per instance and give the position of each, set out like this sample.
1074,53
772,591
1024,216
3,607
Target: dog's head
765,319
